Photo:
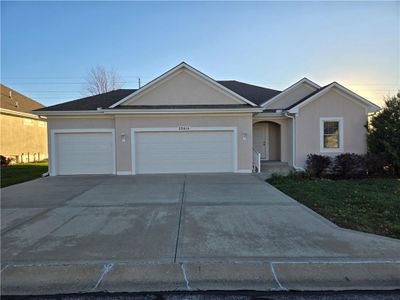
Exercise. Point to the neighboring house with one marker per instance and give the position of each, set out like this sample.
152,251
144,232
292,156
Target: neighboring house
23,134
184,121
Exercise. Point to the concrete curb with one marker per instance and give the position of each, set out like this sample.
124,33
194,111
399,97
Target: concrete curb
256,276
329,276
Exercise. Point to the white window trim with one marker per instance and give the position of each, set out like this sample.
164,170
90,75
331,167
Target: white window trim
321,135
176,129
53,170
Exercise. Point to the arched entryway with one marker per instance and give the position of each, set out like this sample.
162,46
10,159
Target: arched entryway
267,140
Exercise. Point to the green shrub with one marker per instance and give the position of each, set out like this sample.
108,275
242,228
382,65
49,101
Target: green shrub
375,165
384,134
277,176
317,164
5,161
299,175
349,165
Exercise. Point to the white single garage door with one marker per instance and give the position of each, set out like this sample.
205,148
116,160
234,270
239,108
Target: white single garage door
84,153
184,152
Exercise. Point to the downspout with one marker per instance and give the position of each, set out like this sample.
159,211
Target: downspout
293,117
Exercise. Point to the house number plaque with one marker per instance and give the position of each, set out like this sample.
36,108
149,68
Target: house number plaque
184,128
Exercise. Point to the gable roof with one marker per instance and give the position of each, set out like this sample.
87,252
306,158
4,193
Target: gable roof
185,66
289,89
371,107
306,97
254,93
12,100
105,100
92,102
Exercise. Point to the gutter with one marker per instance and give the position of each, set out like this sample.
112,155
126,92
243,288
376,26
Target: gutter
144,111
293,117
178,111
20,114
66,113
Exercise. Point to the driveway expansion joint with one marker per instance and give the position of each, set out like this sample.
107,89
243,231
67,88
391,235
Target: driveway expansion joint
8,229
180,217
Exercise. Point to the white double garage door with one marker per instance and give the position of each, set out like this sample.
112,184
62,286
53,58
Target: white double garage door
153,151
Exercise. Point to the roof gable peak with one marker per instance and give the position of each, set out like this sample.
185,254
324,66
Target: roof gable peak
371,107
184,66
295,85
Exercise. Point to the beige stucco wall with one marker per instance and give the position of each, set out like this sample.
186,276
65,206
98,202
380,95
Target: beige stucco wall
85,122
123,124
293,96
21,135
183,88
332,104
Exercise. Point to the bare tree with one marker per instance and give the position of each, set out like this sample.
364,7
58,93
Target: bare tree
101,80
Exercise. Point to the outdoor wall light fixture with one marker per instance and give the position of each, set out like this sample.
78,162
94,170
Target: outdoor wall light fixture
244,136
123,137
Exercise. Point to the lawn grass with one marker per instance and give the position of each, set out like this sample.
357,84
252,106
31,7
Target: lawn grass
18,173
370,205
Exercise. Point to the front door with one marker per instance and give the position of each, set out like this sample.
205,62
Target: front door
260,139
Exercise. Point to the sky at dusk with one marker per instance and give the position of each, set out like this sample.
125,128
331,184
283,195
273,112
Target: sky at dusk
47,48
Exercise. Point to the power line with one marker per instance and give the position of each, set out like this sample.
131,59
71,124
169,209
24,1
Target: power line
66,77
140,77
60,82
42,91
51,91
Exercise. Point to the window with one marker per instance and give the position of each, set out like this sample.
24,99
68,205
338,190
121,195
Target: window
331,134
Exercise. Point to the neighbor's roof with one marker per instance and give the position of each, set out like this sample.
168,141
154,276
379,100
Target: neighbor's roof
255,94
12,100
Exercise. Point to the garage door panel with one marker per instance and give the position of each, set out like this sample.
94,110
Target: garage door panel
179,152
84,153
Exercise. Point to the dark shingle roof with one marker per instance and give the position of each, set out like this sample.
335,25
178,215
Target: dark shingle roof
104,100
306,97
254,93
12,100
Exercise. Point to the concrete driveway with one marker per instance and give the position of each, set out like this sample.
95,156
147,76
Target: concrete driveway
178,232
